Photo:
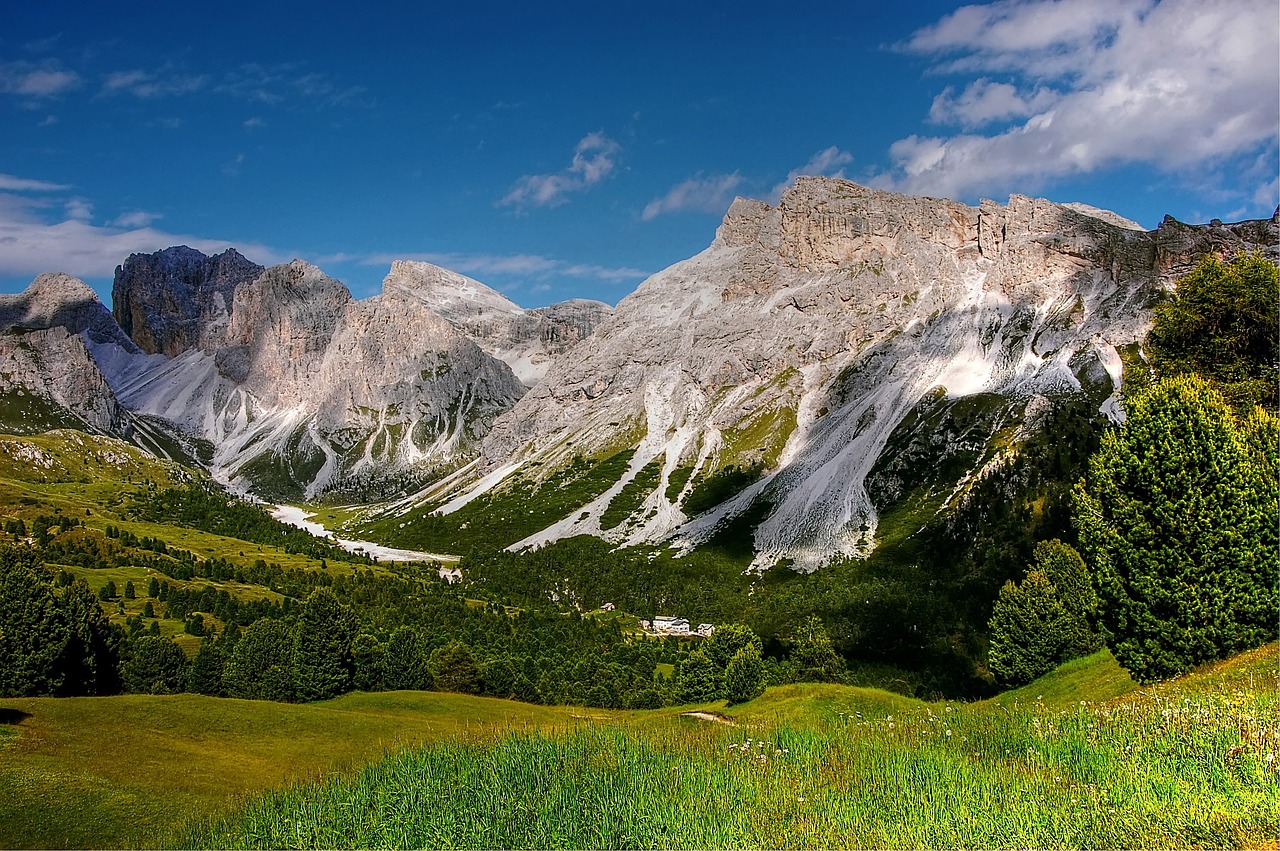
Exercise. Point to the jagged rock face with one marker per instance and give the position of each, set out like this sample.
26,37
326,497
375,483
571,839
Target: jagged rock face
313,391
526,340
178,299
794,346
48,378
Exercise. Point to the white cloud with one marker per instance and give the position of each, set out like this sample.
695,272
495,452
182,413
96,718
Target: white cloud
522,265
34,241
1089,85
147,84
594,158
134,219
9,183
46,80
698,194
79,210
984,101
829,162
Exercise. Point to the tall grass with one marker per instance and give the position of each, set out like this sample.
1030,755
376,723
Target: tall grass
1162,768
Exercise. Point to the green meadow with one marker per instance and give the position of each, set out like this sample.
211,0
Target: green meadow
1080,758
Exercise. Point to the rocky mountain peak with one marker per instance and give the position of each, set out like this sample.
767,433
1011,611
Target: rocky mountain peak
57,300
454,297
526,340
179,298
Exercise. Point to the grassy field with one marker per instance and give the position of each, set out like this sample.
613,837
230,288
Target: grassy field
1080,758
130,771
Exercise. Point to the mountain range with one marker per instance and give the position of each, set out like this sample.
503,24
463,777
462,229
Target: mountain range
822,359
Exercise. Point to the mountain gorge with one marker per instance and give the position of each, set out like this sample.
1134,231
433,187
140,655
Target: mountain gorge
824,361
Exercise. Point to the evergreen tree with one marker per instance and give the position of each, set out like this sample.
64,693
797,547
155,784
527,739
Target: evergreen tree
1063,566
744,676
1026,630
205,673
261,665
368,659
322,662
727,640
697,678
454,668
1177,518
129,592
155,666
405,662
1223,324
813,655
31,632
90,656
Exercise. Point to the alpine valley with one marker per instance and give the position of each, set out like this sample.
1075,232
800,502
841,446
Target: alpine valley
846,356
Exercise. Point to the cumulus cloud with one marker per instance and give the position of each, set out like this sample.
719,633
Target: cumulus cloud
45,80
35,239
829,162
594,158
697,194
1071,87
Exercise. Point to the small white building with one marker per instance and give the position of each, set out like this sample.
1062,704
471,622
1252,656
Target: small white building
607,607
645,625
450,576
671,624
705,629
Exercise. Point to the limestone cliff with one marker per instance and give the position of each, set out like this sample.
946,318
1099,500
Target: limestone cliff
770,371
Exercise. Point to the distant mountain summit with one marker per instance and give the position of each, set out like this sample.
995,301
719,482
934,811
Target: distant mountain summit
525,340
178,299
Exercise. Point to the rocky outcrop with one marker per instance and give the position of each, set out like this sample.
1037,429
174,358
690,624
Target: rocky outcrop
526,340
178,299
783,357
312,391
48,377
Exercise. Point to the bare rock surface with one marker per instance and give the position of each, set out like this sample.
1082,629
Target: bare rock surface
798,341
178,299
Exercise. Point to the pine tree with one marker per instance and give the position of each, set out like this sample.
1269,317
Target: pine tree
697,679
744,676
205,673
405,662
1026,630
322,662
155,666
454,668
368,658
813,655
1177,518
261,665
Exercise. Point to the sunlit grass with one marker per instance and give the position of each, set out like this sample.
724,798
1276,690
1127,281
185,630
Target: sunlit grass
1191,765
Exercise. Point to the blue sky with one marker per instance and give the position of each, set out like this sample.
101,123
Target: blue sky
565,149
